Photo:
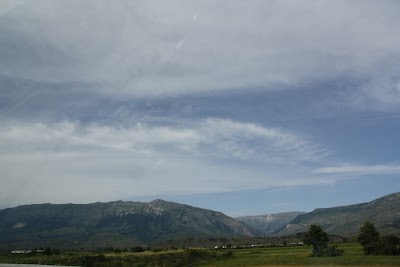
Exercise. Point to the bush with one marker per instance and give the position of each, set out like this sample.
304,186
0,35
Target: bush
47,251
89,261
330,251
137,249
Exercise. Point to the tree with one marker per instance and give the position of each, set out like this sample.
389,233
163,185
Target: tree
47,251
137,249
316,237
368,237
387,245
319,239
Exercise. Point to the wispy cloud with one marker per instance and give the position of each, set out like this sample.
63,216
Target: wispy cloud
360,169
282,204
127,46
131,98
218,138
145,159
248,140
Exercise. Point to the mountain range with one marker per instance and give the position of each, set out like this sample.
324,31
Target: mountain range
119,224
384,212
128,223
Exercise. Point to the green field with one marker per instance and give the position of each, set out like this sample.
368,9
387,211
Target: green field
271,256
299,256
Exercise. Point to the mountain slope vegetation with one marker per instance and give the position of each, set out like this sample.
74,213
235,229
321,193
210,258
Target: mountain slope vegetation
118,224
384,212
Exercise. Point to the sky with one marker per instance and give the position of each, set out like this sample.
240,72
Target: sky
245,107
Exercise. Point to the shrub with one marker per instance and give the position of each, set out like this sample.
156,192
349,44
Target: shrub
137,249
89,261
330,251
47,251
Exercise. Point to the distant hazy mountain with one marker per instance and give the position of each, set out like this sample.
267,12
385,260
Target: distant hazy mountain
115,224
269,223
384,212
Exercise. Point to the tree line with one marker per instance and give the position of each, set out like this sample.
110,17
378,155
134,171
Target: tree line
371,240
374,243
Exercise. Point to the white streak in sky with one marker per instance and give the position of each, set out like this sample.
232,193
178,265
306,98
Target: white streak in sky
187,36
195,15
392,116
181,42
360,169
156,165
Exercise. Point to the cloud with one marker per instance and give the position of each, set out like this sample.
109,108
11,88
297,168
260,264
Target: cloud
76,79
59,162
360,169
8,5
381,93
218,138
235,45
252,141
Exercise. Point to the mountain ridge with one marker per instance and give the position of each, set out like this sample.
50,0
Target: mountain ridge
129,223
269,223
115,223
384,212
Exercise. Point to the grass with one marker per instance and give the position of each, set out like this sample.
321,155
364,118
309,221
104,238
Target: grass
270,256
187,257
299,256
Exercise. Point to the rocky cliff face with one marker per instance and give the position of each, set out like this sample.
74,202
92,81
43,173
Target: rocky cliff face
269,223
